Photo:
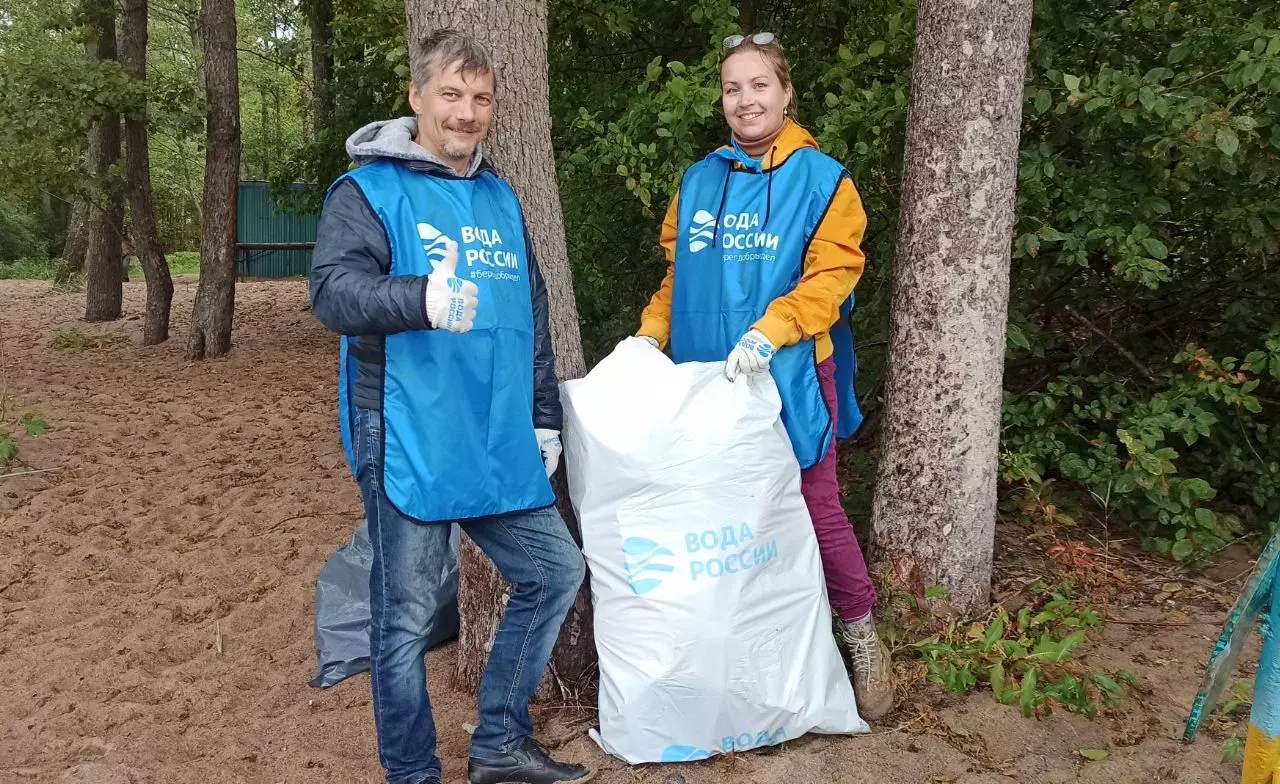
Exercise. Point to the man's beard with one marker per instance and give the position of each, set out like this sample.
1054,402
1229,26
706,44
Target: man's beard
458,151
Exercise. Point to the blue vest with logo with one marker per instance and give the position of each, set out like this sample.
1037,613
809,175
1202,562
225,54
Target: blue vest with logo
457,409
743,236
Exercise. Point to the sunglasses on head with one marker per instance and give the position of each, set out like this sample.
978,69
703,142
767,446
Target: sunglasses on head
759,39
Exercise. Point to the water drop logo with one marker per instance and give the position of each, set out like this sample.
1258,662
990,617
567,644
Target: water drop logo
433,242
684,754
702,230
645,563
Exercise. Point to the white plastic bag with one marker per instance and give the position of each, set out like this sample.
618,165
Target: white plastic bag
711,616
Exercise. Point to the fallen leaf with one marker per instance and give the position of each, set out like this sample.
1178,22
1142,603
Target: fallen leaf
1095,754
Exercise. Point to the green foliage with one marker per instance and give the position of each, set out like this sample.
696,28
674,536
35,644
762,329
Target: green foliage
1148,202
1172,460
371,79
20,232
185,262
1231,748
1026,658
1241,696
180,263
50,95
27,269
33,425
74,341
29,426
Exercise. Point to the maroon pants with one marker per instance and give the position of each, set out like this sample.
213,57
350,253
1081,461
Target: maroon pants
849,585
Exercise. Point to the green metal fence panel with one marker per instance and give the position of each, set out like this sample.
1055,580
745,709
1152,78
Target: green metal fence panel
261,218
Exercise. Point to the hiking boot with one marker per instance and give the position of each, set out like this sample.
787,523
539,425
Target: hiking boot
529,763
869,664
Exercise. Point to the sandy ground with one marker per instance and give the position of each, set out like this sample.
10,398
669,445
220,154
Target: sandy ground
156,591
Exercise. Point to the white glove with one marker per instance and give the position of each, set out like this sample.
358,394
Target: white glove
751,355
652,341
549,443
451,301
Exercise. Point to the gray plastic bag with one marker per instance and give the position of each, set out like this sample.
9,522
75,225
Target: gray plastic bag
342,608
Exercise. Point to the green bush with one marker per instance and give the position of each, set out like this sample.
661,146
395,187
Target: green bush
20,233
1190,462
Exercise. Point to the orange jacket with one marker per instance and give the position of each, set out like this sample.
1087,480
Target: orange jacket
832,266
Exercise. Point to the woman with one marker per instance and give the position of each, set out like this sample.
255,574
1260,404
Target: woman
762,241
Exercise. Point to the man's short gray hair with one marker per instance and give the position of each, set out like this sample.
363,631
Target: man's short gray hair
445,47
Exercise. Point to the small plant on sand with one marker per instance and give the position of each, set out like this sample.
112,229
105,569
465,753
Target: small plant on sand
1025,657
30,425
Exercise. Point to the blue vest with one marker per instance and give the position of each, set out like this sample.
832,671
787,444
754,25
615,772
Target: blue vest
457,409
743,236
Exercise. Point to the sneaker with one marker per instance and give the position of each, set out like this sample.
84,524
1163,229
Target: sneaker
529,763
870,665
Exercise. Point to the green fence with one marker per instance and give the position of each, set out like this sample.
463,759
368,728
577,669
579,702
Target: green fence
274,237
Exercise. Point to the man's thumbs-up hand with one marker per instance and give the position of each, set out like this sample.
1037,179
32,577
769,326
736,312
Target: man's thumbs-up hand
451,301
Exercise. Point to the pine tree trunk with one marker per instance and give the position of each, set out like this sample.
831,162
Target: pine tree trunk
215,296
935,501
104,292
76,245
320,13
520,148
747,16
323,132
133,54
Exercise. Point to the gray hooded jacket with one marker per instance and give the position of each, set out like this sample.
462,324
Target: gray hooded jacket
354,294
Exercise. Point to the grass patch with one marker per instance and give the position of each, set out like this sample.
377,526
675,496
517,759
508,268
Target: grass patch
27,269
184,262
75,341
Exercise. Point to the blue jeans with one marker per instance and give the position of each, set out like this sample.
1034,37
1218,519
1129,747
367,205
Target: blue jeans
533,550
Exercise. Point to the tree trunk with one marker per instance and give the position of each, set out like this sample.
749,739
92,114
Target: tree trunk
320,13
133,54
323,134
747,17
104,292
76,245
935,500
215,295
520,147
265,159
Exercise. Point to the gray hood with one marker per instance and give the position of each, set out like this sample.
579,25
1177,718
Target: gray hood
394,139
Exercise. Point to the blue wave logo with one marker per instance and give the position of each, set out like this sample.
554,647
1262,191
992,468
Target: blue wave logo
702,230
433,242
645,563
684,754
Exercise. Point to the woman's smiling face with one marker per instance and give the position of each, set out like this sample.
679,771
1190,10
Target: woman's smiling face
752,96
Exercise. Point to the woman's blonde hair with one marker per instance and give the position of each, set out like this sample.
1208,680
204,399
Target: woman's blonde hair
772,53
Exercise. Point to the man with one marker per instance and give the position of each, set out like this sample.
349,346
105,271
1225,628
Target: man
449,407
